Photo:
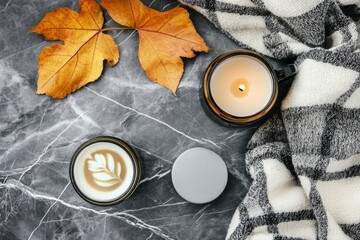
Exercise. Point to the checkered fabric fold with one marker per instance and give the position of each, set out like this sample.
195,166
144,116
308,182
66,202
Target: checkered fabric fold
305,162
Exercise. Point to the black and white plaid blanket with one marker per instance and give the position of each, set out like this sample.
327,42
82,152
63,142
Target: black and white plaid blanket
305,163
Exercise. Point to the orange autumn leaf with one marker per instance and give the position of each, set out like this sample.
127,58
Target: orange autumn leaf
164,37
64,68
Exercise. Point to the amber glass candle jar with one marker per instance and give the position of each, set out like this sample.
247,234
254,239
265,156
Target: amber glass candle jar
241,87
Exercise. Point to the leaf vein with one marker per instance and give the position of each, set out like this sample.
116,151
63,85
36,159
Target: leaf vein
174,36
66,61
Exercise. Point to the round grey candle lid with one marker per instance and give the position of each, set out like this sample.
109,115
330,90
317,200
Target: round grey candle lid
199,175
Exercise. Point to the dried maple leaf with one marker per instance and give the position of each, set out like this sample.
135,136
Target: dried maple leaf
164,38
64,68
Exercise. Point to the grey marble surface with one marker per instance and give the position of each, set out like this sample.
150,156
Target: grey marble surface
38,136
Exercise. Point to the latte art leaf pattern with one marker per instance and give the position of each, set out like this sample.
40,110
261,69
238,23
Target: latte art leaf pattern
105,171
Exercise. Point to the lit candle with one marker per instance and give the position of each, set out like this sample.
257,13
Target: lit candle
241,86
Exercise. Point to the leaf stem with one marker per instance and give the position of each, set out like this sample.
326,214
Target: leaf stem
115,28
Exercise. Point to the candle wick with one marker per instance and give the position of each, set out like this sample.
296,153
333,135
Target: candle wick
242,87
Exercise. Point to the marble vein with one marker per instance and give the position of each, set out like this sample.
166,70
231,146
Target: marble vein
157,206
48,146
6,6
127,38
157,175
167,5
128,218
37,134
46,213
24,50
118,34
152,154
152,2
149,236
80,112
202,141
201,210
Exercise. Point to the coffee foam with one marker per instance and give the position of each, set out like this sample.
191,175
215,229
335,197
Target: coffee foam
98,193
